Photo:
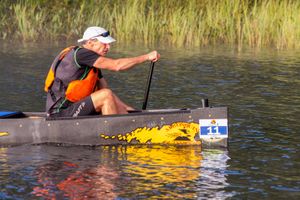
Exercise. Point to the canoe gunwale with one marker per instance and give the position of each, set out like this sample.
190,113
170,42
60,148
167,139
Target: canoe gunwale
150,112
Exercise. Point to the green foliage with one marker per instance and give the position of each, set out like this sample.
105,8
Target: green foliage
179,22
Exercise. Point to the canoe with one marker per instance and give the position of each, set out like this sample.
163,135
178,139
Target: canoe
206,126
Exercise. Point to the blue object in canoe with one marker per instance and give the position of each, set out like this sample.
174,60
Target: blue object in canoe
10,114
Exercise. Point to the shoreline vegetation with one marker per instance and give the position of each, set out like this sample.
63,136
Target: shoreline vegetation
255,23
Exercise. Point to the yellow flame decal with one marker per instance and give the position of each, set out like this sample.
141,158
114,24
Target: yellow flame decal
4,134
176,133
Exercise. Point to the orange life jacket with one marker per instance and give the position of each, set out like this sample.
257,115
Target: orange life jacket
74,90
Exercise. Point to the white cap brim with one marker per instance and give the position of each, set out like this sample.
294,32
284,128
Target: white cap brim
106,40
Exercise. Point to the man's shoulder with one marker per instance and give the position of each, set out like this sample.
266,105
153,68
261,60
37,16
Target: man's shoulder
85,56
83,50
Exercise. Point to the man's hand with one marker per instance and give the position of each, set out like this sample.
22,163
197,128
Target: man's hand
153,56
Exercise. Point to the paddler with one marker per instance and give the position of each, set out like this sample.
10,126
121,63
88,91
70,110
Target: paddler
75,85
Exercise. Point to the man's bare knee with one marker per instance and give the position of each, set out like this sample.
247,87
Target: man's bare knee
103,94
102,97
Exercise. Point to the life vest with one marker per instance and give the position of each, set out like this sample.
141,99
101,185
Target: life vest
73,82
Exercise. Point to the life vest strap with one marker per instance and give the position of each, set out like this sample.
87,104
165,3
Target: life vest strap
53,97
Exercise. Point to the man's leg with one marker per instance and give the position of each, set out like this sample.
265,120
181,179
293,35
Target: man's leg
122,107
104,102
83,107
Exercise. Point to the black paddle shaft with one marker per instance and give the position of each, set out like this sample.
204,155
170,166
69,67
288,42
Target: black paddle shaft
148,86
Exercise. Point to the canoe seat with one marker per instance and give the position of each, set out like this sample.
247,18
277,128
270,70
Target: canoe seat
11,114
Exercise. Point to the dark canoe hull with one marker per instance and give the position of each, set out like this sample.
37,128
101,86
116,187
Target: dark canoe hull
150,127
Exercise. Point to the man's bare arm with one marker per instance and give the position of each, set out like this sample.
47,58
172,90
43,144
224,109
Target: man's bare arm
124,63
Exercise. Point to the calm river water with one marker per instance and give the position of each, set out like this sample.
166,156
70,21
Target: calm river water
260,87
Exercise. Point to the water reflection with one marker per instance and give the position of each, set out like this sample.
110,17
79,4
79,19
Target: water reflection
213,180
161,172
133,172
92,183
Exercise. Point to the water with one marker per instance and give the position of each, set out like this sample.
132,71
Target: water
260,87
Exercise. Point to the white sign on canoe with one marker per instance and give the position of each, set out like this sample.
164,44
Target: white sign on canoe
213,128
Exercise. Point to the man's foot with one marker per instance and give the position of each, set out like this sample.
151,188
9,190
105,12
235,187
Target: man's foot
128,108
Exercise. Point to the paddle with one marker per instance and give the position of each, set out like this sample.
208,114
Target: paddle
148,86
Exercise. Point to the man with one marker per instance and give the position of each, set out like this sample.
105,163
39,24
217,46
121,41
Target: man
75,85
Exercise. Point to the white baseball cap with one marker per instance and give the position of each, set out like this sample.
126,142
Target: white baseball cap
98,33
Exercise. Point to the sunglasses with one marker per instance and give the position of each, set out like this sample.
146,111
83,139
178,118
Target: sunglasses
105,34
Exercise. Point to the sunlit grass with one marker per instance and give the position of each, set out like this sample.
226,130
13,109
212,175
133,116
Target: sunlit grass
182,23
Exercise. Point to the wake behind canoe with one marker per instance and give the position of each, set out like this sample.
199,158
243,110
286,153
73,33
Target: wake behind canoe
206,126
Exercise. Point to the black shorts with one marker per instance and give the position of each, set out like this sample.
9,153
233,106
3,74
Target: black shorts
83,107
